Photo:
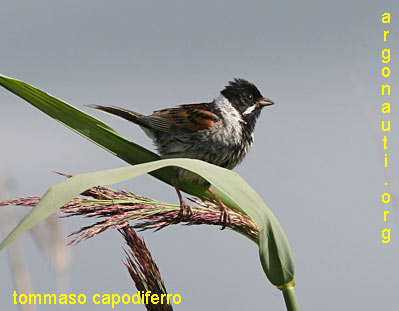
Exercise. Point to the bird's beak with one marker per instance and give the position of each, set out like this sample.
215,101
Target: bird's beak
264,102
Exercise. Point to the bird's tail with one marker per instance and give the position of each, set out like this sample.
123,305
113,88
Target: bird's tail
120,112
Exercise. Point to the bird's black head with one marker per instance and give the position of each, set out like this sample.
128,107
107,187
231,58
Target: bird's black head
246,98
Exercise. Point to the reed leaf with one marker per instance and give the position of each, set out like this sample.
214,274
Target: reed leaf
93,130
274,250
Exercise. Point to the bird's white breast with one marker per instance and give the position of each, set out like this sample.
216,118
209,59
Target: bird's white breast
231,121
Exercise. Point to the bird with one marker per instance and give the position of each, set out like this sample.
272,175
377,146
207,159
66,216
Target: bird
220,132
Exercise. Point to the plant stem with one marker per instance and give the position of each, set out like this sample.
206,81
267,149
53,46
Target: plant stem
290,299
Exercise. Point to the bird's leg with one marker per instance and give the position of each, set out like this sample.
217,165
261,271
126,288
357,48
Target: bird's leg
224,216
185,210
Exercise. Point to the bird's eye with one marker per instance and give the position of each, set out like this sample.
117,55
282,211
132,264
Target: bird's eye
249,97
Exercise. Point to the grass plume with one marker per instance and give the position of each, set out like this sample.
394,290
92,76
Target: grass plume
116,209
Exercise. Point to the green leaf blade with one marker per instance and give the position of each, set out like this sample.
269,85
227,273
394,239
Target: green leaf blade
275,253
83,124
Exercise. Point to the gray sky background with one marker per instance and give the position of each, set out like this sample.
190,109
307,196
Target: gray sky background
316,161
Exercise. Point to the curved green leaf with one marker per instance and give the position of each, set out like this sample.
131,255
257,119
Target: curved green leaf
274,250
93,129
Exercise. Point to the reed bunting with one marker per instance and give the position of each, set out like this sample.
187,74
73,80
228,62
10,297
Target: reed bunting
220,132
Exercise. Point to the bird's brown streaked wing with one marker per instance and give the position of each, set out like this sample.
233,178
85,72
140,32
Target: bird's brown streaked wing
184,119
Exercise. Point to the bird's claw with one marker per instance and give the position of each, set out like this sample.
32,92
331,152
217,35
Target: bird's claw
185,212
224,219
